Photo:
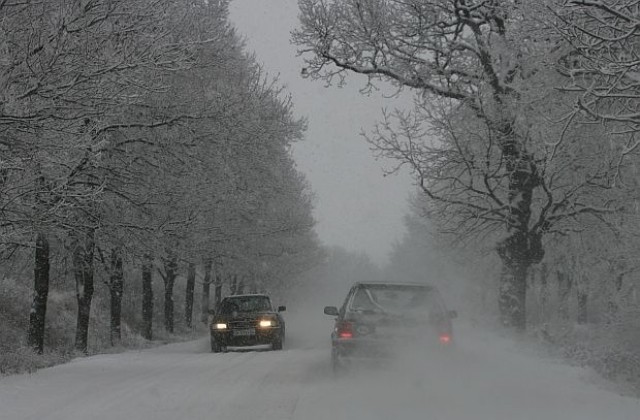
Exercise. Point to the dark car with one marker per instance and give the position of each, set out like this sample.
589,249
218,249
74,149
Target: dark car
377,319
247,320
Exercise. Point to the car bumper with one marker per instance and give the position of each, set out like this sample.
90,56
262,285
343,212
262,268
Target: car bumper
383,349
356,348
232,339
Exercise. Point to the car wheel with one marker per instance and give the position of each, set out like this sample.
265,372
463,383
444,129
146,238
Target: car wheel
215,346
277,344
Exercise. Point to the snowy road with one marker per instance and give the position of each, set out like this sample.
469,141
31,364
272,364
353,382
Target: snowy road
484,379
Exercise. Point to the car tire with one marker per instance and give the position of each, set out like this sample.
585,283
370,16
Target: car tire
215,346
277,344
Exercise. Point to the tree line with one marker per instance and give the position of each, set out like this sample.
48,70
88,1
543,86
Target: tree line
140,133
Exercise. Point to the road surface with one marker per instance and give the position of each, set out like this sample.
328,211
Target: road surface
485,378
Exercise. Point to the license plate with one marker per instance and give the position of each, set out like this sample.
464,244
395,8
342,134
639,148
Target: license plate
244,333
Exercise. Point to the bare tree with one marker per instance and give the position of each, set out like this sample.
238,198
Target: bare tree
602,62
460,168
73,76
464,51
492,163
125,134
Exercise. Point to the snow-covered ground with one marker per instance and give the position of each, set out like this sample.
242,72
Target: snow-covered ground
485,378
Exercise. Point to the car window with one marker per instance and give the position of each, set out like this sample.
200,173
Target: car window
343,308
396,299
245,304
362,301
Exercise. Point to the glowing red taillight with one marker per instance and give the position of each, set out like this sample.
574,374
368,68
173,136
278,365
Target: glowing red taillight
345,329
445,339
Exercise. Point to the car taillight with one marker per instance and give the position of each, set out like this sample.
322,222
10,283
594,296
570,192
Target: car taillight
345,329
445,339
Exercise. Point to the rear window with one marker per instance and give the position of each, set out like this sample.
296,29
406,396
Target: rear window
396,299
245,304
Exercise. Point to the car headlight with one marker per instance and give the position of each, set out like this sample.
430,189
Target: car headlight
265,323
220,326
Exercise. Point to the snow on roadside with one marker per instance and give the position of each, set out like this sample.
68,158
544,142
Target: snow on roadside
485,378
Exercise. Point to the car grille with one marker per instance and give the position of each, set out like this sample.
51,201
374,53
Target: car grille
242,323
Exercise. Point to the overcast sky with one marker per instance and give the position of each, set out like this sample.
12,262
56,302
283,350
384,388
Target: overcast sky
356,207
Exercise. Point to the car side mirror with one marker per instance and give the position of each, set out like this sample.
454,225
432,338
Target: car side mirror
453,314
282,308
331,310
211,311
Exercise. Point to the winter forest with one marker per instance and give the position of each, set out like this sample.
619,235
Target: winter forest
146,168
140,145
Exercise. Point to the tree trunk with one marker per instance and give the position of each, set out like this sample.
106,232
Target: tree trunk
240,288
116,289
513,295
523,247
234,285
218,295
188,306
544,290
613,305
582,291
83,272
583,316
619,282
147,299
518,253
218,290
564,287
41,293
170,268
206,290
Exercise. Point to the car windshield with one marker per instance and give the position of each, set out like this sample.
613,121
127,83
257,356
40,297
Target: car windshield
245,304
395,299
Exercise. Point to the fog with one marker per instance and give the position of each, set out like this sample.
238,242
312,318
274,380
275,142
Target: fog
356,207
137,222
483,376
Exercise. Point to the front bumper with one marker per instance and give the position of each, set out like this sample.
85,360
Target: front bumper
230,337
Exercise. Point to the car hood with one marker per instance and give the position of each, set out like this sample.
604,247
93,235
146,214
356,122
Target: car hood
244,315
